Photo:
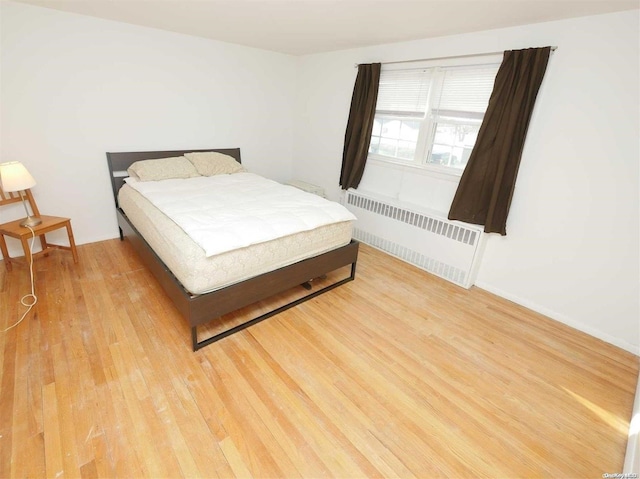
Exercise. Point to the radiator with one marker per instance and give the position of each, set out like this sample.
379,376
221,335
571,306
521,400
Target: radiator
448,249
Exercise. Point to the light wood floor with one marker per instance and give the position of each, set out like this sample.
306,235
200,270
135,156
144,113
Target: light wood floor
397,374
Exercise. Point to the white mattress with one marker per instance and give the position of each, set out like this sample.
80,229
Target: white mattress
226,212
200,274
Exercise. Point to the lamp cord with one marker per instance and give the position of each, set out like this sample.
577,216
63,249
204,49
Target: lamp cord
29,296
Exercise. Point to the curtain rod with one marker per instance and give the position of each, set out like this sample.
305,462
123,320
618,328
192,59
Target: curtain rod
470,55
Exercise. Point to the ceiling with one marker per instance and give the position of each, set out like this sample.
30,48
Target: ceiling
300,27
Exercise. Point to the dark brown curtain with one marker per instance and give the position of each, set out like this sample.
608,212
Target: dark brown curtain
486,187
360,124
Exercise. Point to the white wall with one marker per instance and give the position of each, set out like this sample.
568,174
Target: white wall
74,87
571,249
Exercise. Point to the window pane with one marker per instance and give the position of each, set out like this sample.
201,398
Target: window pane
445,134
440,155
395,137
457,157
374,147
406,150
391,128
452,144
409,130
388,147
376,127
467,135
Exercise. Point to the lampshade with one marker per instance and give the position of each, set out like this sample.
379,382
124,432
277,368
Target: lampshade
15,177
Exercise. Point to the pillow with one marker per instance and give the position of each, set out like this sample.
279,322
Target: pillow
211,163
162,169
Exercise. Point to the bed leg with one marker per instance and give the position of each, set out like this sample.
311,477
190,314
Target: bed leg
307,284
194,338
121,234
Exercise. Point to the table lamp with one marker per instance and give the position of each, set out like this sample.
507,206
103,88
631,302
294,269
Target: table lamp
15,177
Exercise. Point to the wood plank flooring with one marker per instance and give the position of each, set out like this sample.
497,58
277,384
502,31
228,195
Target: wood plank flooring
397,374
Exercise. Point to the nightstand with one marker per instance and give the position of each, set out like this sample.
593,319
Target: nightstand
308,187
49,223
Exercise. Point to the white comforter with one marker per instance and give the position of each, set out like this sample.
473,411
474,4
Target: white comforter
226,212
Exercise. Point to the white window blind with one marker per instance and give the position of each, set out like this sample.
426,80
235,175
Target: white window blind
404,92
465,91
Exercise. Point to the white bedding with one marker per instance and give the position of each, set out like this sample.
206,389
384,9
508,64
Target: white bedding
263,210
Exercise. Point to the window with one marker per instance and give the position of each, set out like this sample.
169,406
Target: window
430,116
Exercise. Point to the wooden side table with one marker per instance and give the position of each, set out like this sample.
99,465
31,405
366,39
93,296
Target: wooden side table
49,223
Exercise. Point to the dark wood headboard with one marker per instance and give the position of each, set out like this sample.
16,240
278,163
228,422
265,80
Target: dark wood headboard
119,162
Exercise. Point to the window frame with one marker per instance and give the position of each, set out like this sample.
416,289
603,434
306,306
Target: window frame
427,131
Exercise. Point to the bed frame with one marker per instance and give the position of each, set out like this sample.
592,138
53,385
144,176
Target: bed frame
203,308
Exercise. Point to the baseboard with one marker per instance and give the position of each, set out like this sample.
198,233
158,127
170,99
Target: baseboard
632,348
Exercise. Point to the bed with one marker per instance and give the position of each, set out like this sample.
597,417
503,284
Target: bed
204,288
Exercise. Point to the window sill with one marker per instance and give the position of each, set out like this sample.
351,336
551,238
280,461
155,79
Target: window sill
426,170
